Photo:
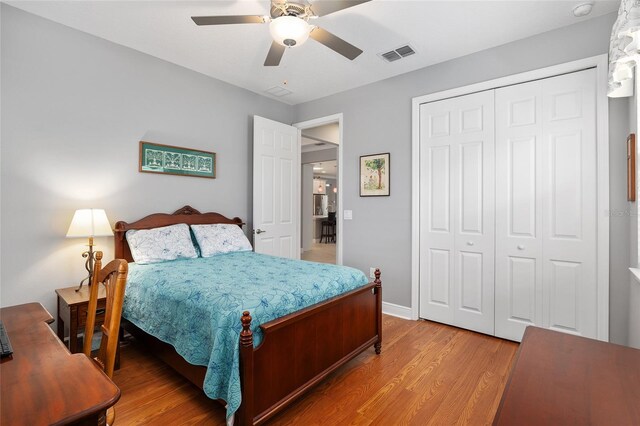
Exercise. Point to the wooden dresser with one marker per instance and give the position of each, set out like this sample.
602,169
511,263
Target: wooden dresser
560,379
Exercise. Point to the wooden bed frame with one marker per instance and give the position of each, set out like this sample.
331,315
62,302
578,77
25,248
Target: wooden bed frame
297,350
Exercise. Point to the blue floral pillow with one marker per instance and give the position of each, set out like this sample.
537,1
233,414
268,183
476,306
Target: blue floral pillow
161,244
220,238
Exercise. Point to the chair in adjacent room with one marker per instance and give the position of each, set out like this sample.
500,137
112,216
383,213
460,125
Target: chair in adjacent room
114,277
332,219
328,230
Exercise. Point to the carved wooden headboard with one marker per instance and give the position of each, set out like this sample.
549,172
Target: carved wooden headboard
187,215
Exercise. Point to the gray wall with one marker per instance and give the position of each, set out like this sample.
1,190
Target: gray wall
634,285
377,118
74,107
618,223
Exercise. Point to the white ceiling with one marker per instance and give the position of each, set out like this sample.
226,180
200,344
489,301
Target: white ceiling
327,169
437,30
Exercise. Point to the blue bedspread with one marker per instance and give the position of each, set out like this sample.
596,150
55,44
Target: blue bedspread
196,305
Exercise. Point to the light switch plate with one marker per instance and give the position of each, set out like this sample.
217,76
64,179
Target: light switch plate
347,214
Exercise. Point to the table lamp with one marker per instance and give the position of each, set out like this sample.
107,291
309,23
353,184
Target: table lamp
89,223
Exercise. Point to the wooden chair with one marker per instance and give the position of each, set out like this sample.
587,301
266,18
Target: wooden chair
114,277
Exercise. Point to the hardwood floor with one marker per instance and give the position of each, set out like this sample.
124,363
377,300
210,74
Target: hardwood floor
427,374
321,252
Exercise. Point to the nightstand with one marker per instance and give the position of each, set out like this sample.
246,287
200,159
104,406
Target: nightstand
72,314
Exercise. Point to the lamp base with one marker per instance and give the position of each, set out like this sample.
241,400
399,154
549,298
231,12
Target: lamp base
89,255
87,279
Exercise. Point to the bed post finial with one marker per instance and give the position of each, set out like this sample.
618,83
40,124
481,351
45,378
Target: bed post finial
245,414
246,335
378,289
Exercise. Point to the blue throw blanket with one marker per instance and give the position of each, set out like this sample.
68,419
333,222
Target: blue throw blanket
196,305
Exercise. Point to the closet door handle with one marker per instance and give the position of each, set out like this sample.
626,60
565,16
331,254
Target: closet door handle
469,243
520,247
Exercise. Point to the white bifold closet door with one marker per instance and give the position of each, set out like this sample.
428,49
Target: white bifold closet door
546,206
457,211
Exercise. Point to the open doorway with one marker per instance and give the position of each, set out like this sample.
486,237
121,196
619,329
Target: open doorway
320,239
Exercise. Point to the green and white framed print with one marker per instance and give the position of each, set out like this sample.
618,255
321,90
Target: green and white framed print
167,159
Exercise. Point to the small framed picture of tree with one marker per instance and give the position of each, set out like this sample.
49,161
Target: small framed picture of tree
375,175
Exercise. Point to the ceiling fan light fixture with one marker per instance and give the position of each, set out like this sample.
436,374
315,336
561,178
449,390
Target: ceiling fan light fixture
289,31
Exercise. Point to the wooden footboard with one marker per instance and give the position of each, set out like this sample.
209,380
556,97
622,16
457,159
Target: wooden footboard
300,349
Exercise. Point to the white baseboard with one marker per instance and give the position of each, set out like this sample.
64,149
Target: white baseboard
396,310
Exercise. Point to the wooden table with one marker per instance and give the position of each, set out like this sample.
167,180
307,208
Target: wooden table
72,312
42,382
560,379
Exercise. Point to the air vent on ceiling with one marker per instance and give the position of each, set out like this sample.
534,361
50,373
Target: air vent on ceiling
278,91
398,53
391,56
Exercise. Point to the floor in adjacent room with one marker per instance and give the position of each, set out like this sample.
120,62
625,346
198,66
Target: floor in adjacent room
321,252
427,373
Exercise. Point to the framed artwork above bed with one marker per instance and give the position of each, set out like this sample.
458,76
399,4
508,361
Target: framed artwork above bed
174,160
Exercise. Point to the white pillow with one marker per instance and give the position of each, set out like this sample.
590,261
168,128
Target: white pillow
161,244
220,238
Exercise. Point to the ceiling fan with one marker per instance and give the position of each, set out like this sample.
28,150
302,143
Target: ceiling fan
289,26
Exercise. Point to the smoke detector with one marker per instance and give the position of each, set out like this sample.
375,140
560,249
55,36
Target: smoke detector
582,9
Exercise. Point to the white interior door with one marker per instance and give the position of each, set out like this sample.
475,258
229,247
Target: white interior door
276,192
457,211
546,206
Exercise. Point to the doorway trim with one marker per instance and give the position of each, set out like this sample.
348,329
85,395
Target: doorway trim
600,63
334,118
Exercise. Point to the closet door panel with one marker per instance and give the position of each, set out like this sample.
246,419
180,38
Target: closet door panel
457,186
564,290
438,268
474,219
522,290
470,267
521,181
471,187
518,209
436,209
439,189
570,217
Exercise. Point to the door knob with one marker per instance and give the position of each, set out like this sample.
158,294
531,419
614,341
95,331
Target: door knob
520,247
469,243
259,231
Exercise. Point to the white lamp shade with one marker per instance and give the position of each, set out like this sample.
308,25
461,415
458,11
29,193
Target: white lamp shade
289,31
89,223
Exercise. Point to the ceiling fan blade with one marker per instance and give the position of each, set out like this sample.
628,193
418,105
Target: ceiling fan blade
275,55
322,8
335,43
224,20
